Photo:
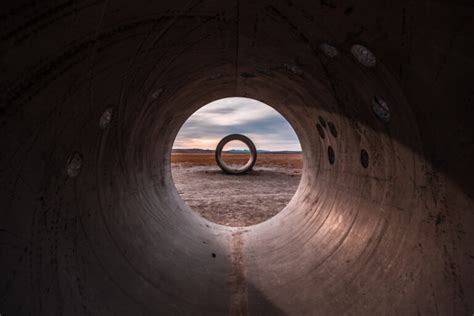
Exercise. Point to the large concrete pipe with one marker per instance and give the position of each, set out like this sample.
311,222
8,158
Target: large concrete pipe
91,223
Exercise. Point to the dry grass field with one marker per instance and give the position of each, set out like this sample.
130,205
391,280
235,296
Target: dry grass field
291,161
241,200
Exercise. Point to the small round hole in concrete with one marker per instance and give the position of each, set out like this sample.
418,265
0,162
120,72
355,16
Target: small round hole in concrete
328,50
322,121
213,255
381,109
320,131
105,119
74,164
332,129
364,158
363,55
331,155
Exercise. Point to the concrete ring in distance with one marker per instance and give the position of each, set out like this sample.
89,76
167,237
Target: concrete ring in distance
248,166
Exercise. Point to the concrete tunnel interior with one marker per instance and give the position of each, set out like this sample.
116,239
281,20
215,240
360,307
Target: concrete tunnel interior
381,223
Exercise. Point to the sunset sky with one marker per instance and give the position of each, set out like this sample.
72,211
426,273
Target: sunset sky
258,121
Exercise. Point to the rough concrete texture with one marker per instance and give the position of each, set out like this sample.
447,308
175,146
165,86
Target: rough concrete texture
394,238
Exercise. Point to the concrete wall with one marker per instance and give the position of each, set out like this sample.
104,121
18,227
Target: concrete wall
109,234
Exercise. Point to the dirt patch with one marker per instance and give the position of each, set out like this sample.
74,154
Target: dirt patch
241,200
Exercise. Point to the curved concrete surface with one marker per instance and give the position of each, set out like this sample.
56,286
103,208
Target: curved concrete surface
239,170
109,235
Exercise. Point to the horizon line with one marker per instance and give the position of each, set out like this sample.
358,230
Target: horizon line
234,149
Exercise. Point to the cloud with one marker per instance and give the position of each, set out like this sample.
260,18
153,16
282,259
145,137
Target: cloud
265,126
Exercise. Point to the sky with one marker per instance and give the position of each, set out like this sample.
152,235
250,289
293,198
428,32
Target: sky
267,128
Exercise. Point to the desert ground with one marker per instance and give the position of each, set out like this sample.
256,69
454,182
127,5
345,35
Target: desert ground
236,200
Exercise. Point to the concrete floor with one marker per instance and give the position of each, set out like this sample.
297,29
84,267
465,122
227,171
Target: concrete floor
90,222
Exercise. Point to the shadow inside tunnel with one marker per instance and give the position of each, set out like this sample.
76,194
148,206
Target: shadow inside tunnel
258,304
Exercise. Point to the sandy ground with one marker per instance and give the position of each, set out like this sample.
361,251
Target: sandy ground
237,200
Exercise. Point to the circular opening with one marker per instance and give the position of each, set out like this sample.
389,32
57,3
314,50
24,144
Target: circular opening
232,158
322,121
105,119
363,55
331,155
332,129
328,50
320,131
381,109
74,164
236,198
364,158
